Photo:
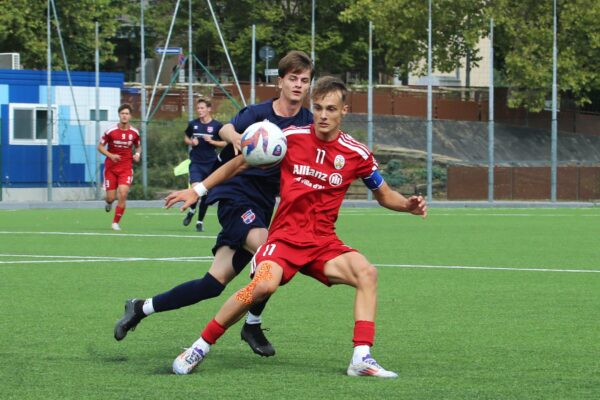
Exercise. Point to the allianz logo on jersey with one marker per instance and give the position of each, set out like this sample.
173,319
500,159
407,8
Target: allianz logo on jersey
306,170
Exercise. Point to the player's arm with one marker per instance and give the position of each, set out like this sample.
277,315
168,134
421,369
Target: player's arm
230,135
137,152
216,143
190,141
393,200
102,150
191,196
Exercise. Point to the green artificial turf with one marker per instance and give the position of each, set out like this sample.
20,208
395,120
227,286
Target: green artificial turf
473,304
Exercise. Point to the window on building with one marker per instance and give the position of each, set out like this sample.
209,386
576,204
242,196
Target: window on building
29,124
102,113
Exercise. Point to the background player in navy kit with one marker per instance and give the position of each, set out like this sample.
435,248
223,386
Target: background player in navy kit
202,134
320,164
246,204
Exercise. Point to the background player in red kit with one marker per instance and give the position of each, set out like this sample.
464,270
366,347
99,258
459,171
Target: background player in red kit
116,145
316,172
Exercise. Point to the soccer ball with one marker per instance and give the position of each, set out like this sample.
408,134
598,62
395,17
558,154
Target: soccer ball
263,143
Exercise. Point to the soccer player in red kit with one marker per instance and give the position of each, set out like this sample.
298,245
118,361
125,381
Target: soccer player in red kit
320,163
116,144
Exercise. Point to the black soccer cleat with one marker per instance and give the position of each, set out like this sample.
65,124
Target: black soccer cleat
107,207
199,226
130,318
188,218
254,336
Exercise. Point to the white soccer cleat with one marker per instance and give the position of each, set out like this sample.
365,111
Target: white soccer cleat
369,367
115,226
188,360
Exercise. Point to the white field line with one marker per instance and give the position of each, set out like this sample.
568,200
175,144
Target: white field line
106,234
44,259
166,214
48,259
487,268
433,215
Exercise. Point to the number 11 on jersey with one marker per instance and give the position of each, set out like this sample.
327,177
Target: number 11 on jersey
320,156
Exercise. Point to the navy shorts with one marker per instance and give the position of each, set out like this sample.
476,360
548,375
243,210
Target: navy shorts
200,171
236,219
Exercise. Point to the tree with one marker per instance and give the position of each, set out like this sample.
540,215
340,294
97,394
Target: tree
23,30
524,48
401,31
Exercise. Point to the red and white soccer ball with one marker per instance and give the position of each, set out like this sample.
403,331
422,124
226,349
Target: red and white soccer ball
263,143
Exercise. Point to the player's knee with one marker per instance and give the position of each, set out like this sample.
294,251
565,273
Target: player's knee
367,274
256,238
262,290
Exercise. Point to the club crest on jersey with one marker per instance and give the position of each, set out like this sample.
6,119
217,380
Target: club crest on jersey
335,179
339,161
248,217
209,129
130,136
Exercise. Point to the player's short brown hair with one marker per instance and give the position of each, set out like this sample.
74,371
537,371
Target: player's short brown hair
294,62
205,101
328,84
126,106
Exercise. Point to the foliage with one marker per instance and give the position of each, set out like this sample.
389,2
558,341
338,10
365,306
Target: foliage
438,173
393,173
522,39
165,150
401,31
23,30
524,46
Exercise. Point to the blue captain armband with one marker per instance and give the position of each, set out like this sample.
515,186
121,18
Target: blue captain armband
373,181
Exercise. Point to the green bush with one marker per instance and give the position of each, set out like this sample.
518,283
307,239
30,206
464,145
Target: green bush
438,173
165,150
393,174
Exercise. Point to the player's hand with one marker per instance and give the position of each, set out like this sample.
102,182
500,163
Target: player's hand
115,157
417,206
136,157
237,143
188,196
195,142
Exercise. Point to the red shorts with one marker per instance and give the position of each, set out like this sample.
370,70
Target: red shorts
308,259
117,177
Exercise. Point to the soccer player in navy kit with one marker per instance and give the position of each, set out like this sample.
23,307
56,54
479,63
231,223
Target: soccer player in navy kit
320,164
246,204
202,134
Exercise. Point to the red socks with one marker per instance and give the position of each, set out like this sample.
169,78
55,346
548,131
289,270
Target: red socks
118,214
364,333
212,332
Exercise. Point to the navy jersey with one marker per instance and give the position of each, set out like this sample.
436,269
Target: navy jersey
205,152
260,186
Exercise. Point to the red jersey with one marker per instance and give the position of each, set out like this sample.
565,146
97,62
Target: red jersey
120,141
315,176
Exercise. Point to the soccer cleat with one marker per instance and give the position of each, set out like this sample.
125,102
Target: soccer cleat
188,360
107,207
129,320
254,336
188,218
199,226
369,367
115,226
